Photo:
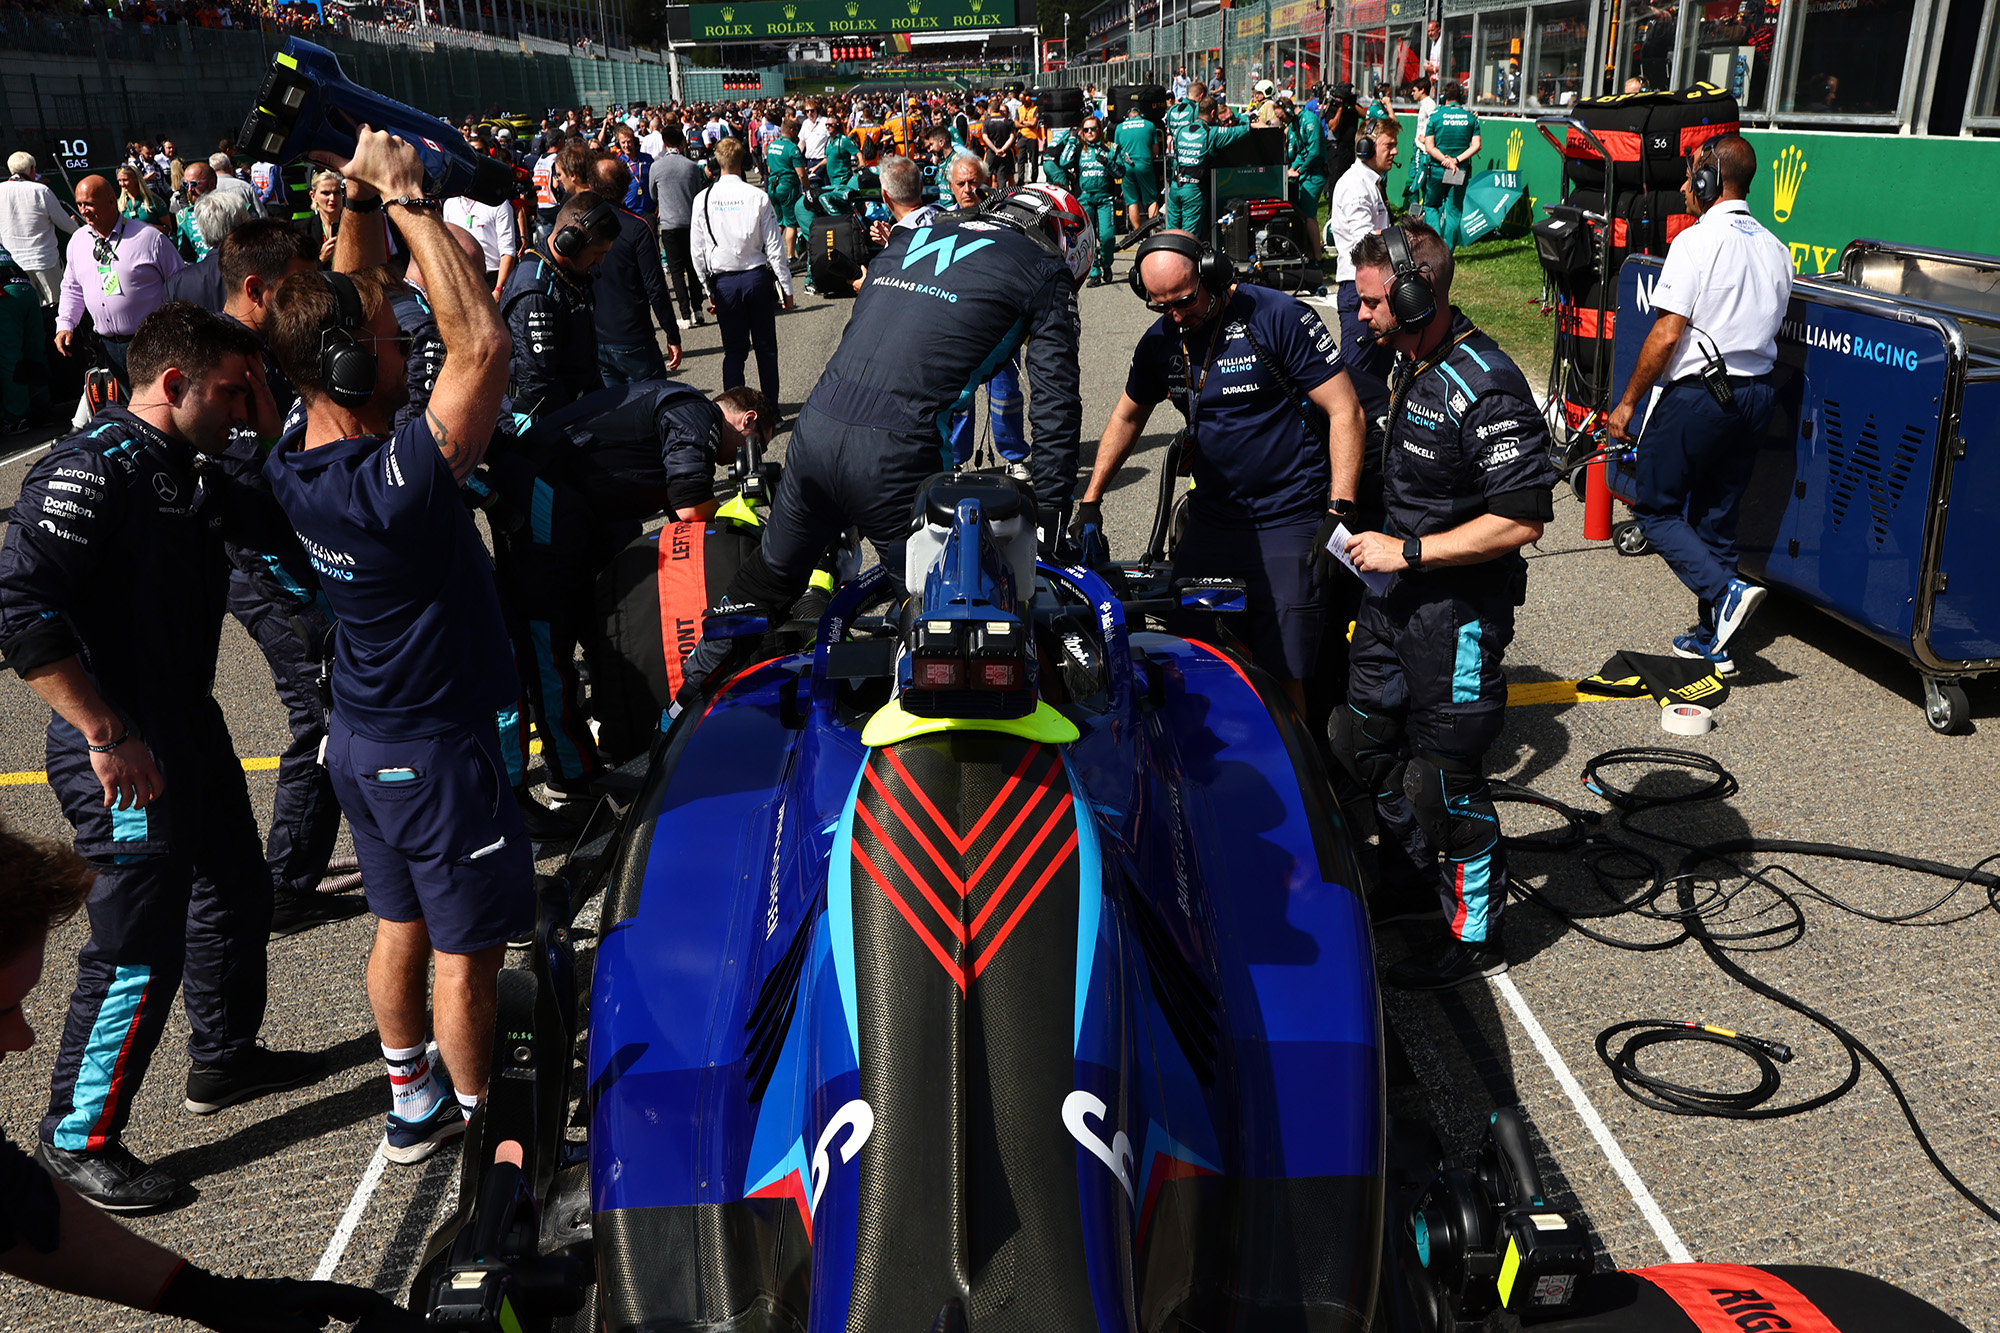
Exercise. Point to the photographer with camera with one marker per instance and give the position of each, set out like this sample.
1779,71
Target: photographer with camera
422,660
1720,300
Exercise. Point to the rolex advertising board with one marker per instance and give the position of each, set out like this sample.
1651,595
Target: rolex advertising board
757,20
1816,191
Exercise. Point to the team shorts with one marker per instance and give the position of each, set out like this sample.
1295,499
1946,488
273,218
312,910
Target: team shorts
437,833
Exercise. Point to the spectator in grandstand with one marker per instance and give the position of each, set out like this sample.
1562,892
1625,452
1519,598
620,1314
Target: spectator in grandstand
498,232
128,263
735,239
30,218
216,214
227,179
675,183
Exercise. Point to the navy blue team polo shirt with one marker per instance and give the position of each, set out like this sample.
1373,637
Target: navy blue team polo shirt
422,648
1254,461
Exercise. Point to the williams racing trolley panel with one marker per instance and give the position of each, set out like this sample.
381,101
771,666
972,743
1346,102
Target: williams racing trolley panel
1877,488
995,963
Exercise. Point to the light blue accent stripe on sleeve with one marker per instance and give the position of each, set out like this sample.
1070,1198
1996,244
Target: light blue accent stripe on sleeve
1477,359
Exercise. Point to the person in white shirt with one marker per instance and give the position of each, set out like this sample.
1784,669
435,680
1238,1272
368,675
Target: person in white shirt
1357,212
499,235
738,249
1721,296
813,134
227,179
650,143
30,218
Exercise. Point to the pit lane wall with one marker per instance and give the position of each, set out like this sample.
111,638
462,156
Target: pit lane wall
1815,190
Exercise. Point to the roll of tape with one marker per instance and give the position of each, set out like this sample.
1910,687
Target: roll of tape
1687,719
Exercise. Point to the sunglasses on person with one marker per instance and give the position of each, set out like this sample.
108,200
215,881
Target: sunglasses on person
1179,303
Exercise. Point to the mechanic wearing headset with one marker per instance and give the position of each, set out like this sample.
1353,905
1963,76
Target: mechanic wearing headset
49,1234
1721,297
589,475
1238,361
113,578
1466,484
421,662
942,306
548,309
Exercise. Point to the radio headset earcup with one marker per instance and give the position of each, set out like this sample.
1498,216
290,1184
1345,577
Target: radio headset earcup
1413,301
1212,267
346,366
1706,180
1364,148
573,238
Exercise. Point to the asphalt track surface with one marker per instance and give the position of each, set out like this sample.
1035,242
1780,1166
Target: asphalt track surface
1823,730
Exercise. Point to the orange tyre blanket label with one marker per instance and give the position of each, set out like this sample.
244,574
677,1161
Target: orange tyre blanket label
1731,1298
683,594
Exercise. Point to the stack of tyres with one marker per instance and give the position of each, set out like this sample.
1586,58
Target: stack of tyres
1649,138
1062,108
1147,99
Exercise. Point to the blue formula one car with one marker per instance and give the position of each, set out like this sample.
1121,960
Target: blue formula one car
991,963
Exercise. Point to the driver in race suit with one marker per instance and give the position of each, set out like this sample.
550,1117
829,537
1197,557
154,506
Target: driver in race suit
943,305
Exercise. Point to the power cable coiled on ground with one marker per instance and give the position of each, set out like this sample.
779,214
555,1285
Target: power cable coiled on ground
1698,904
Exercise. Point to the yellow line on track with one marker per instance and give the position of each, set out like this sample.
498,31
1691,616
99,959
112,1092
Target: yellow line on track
259,765
1526,695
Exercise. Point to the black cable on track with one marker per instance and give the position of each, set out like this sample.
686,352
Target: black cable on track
1699,899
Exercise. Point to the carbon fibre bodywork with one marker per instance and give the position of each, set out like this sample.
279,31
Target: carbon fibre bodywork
985,1029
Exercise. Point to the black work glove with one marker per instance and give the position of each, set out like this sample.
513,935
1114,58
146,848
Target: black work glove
1326,565
267,1305
1087,527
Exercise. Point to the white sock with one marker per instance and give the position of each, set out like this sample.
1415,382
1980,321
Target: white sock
466,1102
413,1083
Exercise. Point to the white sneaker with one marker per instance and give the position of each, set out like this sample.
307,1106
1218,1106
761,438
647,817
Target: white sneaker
1736,607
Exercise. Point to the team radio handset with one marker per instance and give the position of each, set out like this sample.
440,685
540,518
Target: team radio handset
308,106
1714,374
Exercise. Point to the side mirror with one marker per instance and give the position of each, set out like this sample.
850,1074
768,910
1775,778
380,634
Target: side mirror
1219,595
735,625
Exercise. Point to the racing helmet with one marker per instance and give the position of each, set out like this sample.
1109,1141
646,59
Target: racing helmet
1050,216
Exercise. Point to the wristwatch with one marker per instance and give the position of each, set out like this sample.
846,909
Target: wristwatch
1413,551
1340,508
